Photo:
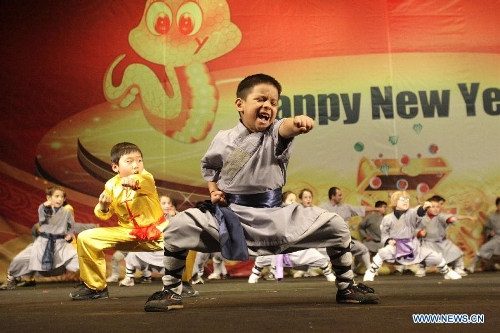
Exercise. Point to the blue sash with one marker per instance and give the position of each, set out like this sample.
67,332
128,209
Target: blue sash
48,253
231,234
267,199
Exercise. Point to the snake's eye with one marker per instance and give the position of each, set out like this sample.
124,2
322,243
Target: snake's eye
189,18
159,18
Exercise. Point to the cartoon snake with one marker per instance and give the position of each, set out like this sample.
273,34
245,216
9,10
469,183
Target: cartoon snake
181,36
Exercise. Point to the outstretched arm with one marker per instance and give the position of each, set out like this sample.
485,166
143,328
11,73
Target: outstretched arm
466,217
297,125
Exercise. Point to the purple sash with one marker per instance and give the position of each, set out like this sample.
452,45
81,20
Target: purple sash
282,260
404,249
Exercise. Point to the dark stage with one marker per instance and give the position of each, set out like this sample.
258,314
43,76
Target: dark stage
292,305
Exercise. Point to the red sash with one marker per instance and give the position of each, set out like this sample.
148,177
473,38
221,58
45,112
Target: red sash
149,232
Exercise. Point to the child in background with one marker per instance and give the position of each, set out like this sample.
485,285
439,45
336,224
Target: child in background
131,196
369,227
146,262
168,206
400,244
435,223
29,281
492,245
52,248
245,170
306,199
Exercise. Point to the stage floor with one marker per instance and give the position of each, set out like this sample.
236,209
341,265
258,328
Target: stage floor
291,305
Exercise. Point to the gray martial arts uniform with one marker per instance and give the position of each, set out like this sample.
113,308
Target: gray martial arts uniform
249,163
29,260
370,226
408,250
146,262
492,246
435,238
309,257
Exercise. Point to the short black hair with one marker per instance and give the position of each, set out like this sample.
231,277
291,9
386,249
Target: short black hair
497,201
246,85
332,192
436,198
121,149
380,203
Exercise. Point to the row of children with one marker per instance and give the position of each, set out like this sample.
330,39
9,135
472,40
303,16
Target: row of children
419,236
25,263
430,232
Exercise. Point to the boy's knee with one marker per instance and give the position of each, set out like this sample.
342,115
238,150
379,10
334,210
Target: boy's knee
84,236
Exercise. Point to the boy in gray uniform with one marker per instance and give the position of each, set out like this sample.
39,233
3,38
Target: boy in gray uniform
52,249
435,223
492,246
369,227
400,244
245,170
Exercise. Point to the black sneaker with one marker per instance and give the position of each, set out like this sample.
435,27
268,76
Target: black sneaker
358,294
27,283
85,293
188,290
162,301
148,279
9,285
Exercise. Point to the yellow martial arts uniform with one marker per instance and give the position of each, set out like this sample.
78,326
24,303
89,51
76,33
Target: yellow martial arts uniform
188,271
140,225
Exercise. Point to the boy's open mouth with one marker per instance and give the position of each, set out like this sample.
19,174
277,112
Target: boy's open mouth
263,116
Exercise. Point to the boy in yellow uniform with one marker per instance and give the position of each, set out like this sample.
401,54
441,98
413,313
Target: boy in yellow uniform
132,196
